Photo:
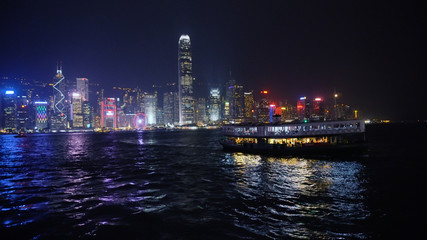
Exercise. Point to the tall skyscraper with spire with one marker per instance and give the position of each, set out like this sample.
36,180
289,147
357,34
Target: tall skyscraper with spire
185,81
59,117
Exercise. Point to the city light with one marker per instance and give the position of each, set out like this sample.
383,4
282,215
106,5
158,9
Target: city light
318,99
272,105
264,92
109,113
8,92
40,102
76,94
302,98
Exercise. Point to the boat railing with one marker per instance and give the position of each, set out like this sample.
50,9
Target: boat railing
295,130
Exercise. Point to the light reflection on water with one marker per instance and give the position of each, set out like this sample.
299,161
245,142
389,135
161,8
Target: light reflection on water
182,179
290,196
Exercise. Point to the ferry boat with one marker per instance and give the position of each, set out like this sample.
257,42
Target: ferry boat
101,130
329,137
20,135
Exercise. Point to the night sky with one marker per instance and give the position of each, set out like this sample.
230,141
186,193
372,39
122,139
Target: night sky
374,53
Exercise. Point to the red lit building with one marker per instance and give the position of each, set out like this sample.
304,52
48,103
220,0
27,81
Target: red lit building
109,113
318,109
302,108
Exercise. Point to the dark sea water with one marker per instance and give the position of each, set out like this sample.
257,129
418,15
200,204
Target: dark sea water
181,185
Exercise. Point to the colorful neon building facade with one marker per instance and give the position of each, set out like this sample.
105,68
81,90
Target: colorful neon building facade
109,113
41,115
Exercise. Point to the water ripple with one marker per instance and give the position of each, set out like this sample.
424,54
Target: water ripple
133,185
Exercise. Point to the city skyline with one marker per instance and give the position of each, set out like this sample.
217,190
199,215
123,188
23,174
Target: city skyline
369,53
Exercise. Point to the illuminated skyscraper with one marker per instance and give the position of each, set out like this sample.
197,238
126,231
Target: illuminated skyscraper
77,110
249,106
318,111
8,109
301,108
185,81
201,116
149,106
169,108
41,114
237,103
87,115
83,88
109,113
214,105
262,109
60,113
23,118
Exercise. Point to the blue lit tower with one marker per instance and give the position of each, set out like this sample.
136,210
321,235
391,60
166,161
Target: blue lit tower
185,81
60,114
8,110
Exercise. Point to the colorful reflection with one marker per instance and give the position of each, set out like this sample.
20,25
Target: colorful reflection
295,190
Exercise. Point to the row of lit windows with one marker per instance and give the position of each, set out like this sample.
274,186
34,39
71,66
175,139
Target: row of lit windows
289,142
278,129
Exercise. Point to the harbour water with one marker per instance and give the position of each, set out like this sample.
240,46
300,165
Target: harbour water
182,185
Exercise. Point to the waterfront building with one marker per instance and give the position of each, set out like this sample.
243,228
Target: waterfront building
98,108
130,104
126,121
303,108
262,108
23,111
214,105
318,109
149,107
87,115
109,113
176,108
287,112
169,108
201,116
228,98
185,81
8,107
60,106
249,106
83,88
77,110
41,115
159,115
237,104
